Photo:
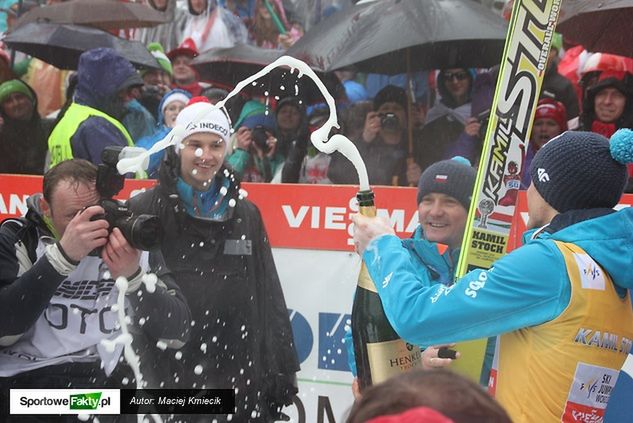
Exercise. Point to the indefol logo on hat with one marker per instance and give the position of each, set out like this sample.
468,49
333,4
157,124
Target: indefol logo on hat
542,175
442,179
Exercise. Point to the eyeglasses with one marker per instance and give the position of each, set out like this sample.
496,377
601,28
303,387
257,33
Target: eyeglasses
459,76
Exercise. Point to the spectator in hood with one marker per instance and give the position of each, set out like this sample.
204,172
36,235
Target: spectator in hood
185,76
93,119
256,157
211,26
137,119
453,125
215,242
23,133
171,104
169,33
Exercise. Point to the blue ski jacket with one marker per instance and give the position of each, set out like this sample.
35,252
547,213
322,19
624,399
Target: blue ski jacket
527,287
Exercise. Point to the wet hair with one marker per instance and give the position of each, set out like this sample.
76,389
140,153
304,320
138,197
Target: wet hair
453,395
77,171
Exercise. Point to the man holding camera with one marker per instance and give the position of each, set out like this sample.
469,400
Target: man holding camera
256,157
216,244
383,145
59,271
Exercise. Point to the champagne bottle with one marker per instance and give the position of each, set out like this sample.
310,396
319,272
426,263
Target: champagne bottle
380,353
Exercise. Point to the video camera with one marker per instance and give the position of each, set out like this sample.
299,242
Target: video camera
142,231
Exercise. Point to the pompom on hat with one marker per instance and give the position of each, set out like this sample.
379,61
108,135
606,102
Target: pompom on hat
583,170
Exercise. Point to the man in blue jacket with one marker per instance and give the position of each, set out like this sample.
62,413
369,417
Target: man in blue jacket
560,302
93,119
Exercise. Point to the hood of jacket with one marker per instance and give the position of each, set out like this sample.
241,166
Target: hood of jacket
101,74
605,235
168,175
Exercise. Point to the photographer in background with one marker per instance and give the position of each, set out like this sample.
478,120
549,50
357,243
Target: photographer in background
57,296
383,144
255,157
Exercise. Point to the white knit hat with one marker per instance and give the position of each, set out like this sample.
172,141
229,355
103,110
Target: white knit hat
203,117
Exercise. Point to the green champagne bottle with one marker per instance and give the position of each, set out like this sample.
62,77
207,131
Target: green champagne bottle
380,353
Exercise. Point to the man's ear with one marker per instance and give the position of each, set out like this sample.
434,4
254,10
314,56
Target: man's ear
45,207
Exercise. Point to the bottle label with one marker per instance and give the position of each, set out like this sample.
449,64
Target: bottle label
364,280
390,358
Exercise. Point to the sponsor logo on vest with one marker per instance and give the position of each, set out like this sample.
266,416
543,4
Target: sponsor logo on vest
605,340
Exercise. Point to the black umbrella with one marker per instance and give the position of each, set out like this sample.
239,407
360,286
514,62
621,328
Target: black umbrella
378,36
599,26
228,66
61,45
104,14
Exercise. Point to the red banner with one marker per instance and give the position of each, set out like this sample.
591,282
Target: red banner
296,215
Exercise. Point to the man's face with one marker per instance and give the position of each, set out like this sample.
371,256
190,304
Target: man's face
18,107
182,69
443,219
171,112
201,158
457,82
152,77
539,212
609,104
543,130
288,118
67,199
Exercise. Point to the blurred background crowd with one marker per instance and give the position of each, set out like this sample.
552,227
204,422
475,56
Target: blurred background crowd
402,112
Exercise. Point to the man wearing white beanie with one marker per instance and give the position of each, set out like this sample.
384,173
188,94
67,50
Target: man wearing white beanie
215,244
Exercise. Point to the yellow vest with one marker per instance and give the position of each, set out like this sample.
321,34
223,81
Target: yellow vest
565,369
59,140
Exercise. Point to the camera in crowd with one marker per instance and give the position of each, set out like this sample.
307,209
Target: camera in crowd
260,138
143,231
483,118
389,121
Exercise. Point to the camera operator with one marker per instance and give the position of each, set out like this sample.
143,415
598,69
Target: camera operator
383,144
57,297
255,157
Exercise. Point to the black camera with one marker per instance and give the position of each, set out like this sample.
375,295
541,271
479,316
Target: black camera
389,121
260,138
143,231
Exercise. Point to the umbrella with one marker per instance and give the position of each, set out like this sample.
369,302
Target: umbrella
599,26
234,64
379,35
228,66
61,45
104,14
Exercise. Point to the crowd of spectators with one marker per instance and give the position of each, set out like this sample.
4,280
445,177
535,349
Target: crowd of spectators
399,126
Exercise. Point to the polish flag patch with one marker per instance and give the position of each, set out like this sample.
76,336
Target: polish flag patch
441,178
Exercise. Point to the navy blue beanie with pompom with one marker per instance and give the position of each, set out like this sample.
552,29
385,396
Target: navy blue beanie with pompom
583,170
